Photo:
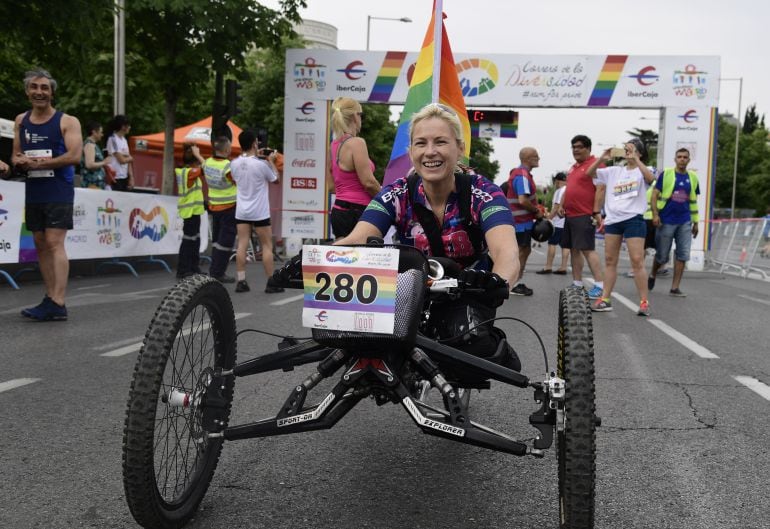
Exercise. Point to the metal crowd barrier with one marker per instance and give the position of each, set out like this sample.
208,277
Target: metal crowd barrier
741,246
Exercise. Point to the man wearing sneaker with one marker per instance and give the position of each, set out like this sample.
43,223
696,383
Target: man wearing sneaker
522,198
675,216
252,211
221,197
580,217
47,145
621,191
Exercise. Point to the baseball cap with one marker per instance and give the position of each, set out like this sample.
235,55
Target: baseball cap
560,176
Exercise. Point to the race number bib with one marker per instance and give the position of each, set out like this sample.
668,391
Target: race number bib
349,288
626,189
41,154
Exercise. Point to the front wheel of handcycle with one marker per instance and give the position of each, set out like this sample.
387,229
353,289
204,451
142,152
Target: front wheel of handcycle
168,456
577,437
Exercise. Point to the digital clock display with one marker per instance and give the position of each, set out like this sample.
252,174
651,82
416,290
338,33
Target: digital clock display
491,116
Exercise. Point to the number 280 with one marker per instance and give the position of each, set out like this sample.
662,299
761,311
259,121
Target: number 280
344,286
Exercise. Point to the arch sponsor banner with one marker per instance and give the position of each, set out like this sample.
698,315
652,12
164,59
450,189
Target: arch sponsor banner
620,81
105,224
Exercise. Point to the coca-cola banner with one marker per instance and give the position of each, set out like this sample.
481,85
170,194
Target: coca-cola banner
306,139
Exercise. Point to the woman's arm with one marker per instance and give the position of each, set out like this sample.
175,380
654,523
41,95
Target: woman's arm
501,241
361,232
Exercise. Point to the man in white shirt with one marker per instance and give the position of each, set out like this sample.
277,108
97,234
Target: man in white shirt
252,207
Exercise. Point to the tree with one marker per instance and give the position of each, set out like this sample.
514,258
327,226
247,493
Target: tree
481,149
753,175
185,41
752,121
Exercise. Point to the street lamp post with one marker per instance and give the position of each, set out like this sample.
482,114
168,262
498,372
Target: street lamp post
737,139
369,21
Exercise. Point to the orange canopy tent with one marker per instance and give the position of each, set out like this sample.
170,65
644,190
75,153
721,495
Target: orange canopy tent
198,133
147,151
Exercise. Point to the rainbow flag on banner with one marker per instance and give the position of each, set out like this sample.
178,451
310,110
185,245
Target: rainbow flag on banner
434,81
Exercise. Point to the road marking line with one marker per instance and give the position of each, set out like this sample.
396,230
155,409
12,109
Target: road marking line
287,300
755,385
625,301
763,301
682,339
94,286
131,348
17,382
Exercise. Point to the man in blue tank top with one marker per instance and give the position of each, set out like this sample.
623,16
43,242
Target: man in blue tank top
47,145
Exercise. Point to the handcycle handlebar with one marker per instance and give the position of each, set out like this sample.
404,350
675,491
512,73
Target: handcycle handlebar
445,277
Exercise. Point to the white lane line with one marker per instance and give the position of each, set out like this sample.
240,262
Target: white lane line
625,301
755,385
287,300
763,301
94,286
17,383
682,339
131,348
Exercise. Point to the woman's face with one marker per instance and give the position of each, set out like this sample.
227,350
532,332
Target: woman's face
98,134
358,121
434,149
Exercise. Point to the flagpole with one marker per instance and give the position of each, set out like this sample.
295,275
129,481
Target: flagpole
438,24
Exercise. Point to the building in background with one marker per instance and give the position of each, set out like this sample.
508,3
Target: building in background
319,35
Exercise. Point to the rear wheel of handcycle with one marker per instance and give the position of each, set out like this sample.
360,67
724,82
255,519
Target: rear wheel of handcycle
168,457
577,440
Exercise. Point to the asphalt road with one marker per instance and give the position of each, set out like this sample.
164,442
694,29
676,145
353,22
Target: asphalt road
683,441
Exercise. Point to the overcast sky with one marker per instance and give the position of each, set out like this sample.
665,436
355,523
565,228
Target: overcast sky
735,30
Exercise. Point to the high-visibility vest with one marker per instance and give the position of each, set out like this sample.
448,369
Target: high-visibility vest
221,190
669,179
190,200
648,213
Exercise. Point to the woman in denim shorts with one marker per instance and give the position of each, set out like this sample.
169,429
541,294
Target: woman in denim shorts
622,190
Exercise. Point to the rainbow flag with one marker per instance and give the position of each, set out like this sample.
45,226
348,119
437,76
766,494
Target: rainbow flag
434,81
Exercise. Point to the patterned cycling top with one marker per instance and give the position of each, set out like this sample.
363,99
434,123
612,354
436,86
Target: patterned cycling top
392,207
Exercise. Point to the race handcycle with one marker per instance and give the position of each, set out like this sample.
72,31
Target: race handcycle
183,383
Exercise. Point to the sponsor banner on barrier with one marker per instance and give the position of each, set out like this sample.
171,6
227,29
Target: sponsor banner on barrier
642,81
105,224
11,220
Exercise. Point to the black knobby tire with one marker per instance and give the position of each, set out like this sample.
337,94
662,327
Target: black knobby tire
577,442
168,460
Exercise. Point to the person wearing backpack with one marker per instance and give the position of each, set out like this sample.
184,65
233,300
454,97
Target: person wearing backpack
446,210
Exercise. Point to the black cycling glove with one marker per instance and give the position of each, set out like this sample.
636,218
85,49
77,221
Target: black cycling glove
495,287
292,270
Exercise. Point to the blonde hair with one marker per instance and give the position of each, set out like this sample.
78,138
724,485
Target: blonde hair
443,112
343,111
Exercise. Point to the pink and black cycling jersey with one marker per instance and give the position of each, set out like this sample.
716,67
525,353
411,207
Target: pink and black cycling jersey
392,207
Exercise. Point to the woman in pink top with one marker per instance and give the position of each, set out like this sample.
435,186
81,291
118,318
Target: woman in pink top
351,167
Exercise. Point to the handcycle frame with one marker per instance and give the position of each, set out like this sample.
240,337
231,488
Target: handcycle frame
374,376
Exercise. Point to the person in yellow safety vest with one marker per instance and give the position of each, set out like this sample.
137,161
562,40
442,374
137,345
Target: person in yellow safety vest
674,205
222,194
190,187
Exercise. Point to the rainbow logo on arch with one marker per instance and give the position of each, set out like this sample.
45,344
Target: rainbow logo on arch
477,76
153,225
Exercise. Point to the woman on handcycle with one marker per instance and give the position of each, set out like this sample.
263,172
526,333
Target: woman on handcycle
437,193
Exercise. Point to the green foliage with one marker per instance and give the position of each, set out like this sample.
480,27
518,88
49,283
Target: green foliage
753,175
481,149
379,133
752,121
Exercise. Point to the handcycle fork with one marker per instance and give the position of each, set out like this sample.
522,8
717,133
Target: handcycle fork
453,402
327,367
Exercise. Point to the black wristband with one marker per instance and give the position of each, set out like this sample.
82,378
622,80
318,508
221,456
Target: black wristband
597,212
